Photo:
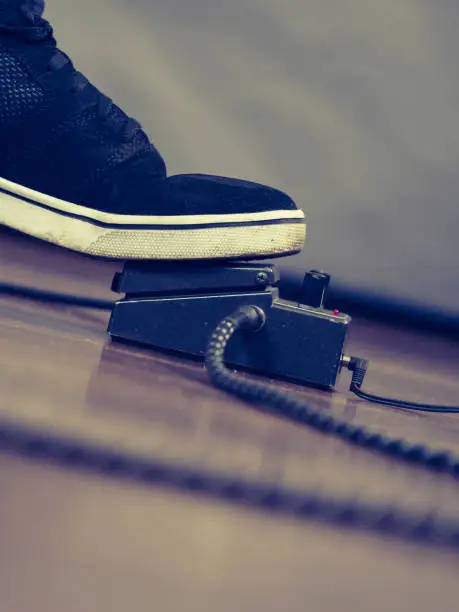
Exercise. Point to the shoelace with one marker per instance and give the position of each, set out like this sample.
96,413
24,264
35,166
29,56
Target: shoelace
40,31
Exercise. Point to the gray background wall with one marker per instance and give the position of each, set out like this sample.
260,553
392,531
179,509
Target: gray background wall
351,106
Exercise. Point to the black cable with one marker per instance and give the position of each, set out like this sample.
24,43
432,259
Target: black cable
296,409
359,368
51,297
385,519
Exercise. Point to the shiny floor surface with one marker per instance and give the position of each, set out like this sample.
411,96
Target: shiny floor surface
75,542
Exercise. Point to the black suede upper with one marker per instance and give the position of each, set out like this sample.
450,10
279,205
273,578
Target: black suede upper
62,137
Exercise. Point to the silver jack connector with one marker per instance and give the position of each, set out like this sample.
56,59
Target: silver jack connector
345,361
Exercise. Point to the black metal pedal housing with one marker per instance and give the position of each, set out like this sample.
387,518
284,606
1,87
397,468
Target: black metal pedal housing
176,306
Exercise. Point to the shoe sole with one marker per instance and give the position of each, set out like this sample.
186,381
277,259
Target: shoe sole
112,236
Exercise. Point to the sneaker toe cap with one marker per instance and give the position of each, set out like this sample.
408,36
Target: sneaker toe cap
206,194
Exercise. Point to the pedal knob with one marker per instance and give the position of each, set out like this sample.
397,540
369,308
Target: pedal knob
315,287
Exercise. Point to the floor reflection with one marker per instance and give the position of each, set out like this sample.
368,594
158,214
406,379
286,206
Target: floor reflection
174,396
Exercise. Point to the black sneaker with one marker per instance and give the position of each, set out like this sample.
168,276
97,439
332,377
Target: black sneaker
76,171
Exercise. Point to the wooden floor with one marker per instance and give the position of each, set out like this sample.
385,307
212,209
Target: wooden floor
75,542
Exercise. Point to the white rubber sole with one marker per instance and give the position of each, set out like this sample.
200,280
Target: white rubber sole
263,234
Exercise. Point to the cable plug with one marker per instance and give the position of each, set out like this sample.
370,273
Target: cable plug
358,367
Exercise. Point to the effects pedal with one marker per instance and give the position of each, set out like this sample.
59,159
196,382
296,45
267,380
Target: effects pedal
176,306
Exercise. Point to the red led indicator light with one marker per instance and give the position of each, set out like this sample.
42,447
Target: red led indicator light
336,313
